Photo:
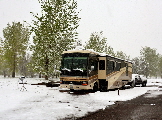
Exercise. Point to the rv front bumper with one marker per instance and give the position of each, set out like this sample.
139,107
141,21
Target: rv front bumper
76,87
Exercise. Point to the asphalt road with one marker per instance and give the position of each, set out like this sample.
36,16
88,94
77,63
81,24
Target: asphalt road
145,107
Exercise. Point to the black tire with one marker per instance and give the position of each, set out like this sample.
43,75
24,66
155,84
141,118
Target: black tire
122,88
132,84
144,84
95,87
49,84
71,90
103,88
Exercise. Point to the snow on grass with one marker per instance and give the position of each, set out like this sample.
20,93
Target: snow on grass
41,102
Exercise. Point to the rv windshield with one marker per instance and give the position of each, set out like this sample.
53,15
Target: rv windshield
73,63
74,66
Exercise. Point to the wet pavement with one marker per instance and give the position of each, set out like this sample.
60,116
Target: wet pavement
145,107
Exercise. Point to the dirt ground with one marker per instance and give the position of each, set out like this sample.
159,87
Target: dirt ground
145,107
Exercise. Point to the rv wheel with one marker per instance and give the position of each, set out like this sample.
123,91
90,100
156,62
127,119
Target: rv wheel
95,87
71,90
103,88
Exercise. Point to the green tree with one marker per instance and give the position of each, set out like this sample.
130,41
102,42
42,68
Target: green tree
122,55
15,44
139,66
149,58
136,65
109,50
23,65
29,63
97,42
160,65
54,30
1,57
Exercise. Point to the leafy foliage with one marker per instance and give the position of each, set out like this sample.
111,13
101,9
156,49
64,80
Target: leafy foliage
1,57
149,57
160,66
136,65
97,42
109,50
122,55
15,44
148,63
54,30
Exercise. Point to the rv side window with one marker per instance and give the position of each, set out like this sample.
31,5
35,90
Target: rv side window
117,66
113,65
93,64
126,69
102,65
110,65
122,64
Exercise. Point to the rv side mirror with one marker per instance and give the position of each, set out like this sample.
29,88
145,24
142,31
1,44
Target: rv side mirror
92,68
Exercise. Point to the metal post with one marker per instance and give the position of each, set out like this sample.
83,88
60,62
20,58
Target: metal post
118,88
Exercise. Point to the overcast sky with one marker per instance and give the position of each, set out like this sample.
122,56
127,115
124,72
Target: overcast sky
128,25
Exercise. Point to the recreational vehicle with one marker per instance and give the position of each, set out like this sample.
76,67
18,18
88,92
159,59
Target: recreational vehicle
89,70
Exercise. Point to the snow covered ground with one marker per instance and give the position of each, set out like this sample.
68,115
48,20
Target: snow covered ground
40,102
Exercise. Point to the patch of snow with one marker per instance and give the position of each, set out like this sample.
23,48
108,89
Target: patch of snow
41,102
103,54
66,69
79,48
78,69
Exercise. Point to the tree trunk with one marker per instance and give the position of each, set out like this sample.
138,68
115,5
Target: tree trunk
14,67
13,74
46,67
4,73
31,75
46,77
40,75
